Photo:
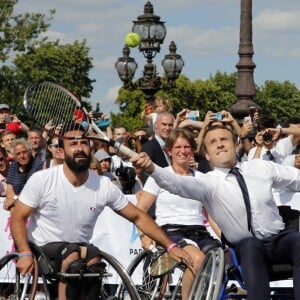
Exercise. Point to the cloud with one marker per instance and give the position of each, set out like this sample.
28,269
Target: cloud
106,64
107,103
277,21
201,41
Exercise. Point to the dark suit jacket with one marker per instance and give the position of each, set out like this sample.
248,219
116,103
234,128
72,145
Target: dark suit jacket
153,149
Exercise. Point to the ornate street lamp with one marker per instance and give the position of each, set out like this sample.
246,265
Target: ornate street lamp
152,32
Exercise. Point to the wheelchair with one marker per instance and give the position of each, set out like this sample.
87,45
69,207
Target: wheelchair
109,272
166,283
166,286
220,276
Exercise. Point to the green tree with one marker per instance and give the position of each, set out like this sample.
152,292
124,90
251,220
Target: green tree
18,32
66,64
28,57
281,100
203,95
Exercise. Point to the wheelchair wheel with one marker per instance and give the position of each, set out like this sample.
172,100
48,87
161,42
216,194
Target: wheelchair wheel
208,280
115,275
147,286
12,286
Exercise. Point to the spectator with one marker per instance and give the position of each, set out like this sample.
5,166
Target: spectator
294,158
63,216
182,219
7,137
4,165
120,131
154,148
37,143
269,145
10,121
151,111
23,166
95,166
54,154
140,138
103,161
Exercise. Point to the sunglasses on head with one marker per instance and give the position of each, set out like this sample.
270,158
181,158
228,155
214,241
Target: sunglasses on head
54,145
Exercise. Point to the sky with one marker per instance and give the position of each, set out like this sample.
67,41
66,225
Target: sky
206,33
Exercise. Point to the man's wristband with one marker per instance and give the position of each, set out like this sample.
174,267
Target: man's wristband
24,254
171,246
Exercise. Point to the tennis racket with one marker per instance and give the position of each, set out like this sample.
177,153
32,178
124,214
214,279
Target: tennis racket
52,107
161,262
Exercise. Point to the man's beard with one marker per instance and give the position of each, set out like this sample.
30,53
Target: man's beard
80,165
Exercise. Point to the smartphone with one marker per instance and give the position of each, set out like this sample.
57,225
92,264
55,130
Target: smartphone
217,116
192,114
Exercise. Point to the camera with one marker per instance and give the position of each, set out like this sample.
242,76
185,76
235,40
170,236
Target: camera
127,178
267,137
217,116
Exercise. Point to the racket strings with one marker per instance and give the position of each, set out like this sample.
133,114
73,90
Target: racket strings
53,107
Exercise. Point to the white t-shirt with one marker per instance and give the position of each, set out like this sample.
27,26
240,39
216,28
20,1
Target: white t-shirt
65,212
173,209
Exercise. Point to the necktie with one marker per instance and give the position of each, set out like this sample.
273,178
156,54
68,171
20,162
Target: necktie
270,155
242,184
297,150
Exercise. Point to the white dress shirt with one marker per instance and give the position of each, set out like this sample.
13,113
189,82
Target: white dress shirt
222,197
279,151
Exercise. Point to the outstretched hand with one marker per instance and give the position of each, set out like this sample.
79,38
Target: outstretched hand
142,161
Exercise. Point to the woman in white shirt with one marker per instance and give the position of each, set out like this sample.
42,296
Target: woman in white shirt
182,219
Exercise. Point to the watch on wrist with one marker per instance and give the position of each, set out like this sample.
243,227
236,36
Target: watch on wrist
15,197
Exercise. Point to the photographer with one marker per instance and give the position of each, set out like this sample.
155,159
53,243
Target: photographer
10,121
270,145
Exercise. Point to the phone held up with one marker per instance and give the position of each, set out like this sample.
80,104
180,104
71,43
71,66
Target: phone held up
192,114
216,116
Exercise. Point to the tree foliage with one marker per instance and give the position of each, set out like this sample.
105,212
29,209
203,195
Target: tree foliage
28,56
66,64
280,100
18,32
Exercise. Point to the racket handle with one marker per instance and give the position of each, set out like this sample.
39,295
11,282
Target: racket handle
153,249
123,149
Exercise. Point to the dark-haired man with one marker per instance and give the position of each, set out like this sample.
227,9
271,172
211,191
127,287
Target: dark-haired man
246,212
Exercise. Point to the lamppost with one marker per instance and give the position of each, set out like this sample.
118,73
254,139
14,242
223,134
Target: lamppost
152,32
245,88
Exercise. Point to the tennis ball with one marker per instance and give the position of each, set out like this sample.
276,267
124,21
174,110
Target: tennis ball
132,39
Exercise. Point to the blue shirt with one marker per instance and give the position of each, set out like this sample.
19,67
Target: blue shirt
18,179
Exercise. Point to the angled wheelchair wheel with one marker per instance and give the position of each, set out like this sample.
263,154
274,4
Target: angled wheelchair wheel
12,286
114,277
147,286
208,280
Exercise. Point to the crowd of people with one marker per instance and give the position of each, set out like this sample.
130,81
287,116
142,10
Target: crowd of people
180,159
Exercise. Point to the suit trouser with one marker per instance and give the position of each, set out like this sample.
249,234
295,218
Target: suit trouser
256,257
